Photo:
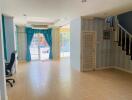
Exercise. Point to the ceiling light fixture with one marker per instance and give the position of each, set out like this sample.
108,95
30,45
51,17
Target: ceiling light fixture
83,1
24,15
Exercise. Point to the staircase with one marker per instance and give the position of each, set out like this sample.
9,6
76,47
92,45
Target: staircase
124,39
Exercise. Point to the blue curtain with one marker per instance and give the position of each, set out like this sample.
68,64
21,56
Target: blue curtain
48,37
30,34
16,38
4,37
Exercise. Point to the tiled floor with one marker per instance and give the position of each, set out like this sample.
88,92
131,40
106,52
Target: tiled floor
56,80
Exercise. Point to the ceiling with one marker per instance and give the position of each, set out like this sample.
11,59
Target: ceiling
61,11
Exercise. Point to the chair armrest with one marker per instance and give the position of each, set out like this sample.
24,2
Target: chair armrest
6,63
8,73
8,76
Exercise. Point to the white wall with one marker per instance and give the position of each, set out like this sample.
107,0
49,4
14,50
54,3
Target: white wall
75,27
22,43
10,36
103,47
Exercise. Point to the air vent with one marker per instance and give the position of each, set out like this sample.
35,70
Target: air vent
40,26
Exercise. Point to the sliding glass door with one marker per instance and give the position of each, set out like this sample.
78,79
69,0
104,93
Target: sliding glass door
39,48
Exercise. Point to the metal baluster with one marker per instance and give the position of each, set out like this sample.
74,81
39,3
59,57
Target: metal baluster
125,41
129,45
117,33
131,49
119,37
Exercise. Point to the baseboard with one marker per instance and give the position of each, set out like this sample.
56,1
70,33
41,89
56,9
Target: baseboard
114,67
103,68
122,69
87,70
21,61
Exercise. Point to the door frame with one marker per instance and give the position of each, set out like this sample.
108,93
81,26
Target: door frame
81,51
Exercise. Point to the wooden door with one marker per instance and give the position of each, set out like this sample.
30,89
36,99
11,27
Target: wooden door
88,51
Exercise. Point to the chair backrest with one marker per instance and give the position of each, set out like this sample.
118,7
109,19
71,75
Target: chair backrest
12,60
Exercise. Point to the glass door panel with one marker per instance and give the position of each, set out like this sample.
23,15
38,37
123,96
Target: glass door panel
43,48
34,50
39,48
65,41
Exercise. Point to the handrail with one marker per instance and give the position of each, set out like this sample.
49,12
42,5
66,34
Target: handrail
125,30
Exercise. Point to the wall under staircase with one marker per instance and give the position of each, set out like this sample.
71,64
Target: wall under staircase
121,50
108,52
119,59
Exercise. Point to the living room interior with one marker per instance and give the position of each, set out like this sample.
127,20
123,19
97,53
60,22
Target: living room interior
65,50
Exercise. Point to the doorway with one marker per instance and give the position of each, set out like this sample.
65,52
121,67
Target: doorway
65,41
39,48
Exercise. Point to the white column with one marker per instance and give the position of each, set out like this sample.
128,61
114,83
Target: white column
75,28
3,91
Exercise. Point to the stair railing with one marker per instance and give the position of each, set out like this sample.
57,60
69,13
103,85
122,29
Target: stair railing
124,39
